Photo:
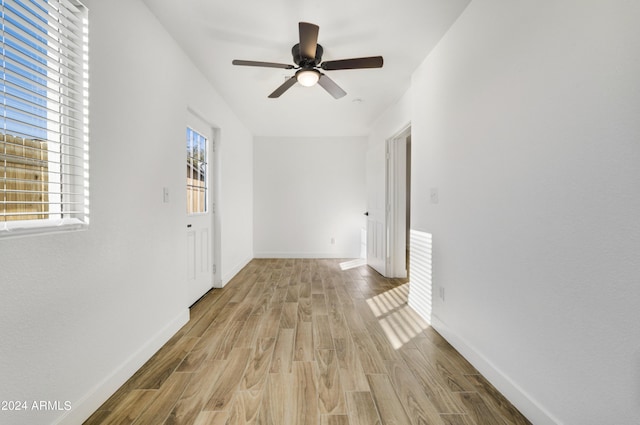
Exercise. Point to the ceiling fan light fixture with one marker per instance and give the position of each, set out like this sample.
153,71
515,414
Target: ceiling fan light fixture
307,77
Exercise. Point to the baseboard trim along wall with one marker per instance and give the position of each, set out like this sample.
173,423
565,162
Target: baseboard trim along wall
88,404
263,255
230,275
519,398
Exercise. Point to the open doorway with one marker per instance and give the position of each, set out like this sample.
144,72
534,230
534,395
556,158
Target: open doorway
398,203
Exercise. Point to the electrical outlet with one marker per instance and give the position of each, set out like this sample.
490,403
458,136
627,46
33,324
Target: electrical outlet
165,195
442,293
333,241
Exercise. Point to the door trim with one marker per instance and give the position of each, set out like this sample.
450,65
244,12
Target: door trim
214,193
396,203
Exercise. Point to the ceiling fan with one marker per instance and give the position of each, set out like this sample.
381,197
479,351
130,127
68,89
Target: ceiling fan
307,55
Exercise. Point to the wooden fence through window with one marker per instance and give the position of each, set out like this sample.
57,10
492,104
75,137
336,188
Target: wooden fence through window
24,176
196,191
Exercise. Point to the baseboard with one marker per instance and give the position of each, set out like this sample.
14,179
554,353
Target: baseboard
533,411
306,255
87,405
226,278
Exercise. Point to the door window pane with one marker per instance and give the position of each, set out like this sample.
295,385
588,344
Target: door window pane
196,172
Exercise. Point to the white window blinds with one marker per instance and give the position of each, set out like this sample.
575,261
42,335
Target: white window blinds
44,121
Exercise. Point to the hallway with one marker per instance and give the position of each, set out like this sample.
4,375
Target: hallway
299,341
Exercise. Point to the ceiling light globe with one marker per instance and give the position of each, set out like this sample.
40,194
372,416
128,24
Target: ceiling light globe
307,77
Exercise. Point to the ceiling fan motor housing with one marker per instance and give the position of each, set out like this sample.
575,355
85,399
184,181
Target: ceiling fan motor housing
304,62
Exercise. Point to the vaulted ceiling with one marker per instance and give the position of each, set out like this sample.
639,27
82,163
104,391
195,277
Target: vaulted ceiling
214,32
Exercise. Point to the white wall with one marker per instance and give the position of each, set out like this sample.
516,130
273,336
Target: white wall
80,312
306,192
525,117
394,119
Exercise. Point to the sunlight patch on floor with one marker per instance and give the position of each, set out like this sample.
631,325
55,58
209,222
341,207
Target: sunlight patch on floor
347,265
399,322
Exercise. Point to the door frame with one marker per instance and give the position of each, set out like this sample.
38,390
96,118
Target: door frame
213,162
396,203
215,205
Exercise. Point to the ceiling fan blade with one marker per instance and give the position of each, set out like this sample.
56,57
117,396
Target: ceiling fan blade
262,64
308,39
283,88
355,63
329,85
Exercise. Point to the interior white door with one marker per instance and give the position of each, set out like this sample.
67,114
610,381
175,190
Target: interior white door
199,185
376,209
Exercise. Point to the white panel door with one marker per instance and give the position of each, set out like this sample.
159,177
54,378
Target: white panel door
376,209
199,185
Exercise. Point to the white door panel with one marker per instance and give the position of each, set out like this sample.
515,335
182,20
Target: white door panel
191,255
376,219
200,274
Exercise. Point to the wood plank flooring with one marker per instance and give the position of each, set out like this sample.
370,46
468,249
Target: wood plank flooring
303,342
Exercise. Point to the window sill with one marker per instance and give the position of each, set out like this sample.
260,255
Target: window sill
18,229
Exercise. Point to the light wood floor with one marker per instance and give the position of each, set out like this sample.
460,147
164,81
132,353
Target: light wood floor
303,342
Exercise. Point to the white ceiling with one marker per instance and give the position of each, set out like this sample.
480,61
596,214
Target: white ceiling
214,32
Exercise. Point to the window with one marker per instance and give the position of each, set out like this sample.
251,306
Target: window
197,193
44,116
